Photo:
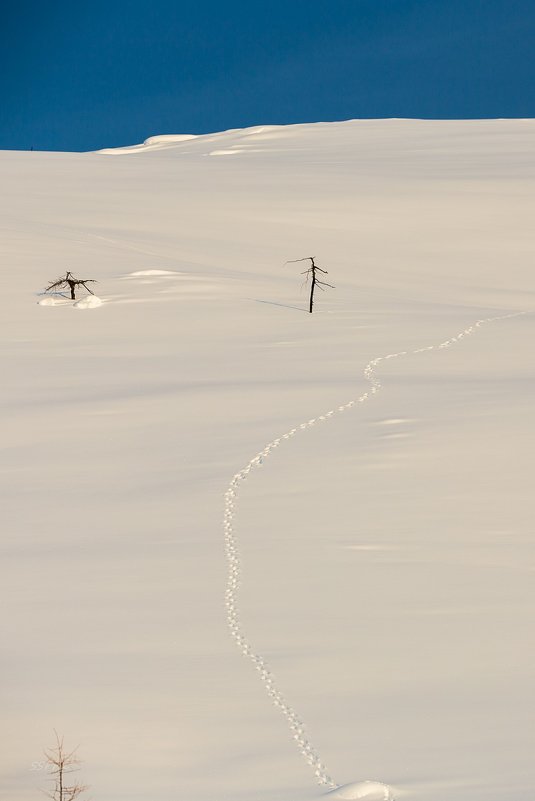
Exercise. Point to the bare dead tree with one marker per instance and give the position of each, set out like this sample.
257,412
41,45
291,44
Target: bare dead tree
311,275
71,282
62,763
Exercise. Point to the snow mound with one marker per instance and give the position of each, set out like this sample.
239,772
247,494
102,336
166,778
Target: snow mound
168,139
151,272
363,791
49,301
152,143
90,302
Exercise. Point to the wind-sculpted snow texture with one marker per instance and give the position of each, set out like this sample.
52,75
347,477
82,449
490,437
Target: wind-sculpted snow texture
295,724
388,557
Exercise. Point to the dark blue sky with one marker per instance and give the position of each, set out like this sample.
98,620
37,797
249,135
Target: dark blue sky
82,75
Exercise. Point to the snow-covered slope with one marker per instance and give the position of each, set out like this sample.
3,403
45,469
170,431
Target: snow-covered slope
387,550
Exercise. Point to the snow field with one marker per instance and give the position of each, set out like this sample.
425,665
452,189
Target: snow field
296,726
387,557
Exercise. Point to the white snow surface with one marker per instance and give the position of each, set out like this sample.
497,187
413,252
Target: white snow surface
386,547
367,791
88,302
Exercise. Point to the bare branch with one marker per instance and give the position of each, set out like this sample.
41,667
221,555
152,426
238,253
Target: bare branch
324,283
294,261
59,282
85,283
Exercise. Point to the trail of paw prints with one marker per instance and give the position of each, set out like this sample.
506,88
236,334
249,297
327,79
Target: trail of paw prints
234,566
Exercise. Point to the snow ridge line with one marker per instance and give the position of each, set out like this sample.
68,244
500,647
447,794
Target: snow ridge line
234,566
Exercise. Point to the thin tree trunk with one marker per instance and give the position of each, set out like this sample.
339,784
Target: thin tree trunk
312,285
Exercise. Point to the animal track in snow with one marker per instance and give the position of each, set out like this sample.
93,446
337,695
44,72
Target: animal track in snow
371,791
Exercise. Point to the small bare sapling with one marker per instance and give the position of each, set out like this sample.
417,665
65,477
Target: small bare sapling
61,764
70,282
311,275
